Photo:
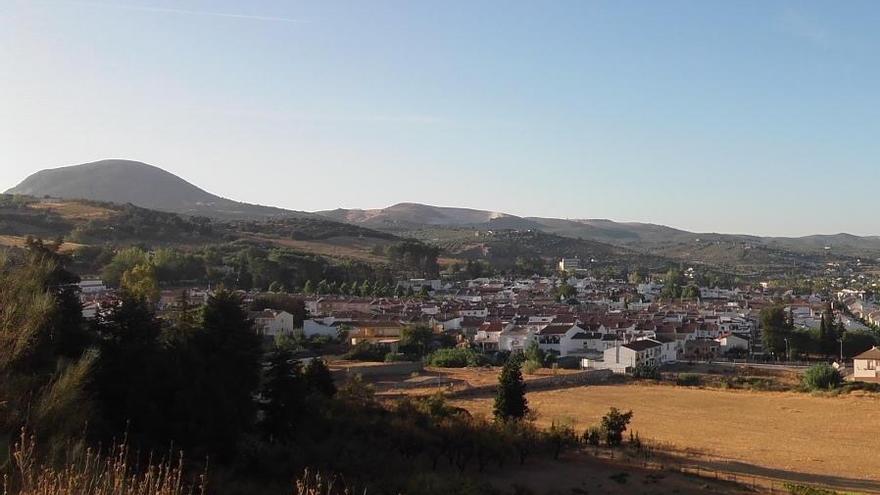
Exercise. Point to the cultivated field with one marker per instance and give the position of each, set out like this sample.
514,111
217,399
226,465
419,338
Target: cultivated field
784,435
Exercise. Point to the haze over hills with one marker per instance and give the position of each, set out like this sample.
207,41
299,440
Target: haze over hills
147,186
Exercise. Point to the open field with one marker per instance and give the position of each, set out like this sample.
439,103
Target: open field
73,210
783,435
18,241
337,247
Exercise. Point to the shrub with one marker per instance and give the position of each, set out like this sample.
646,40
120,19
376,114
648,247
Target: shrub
614,424
365,351
688,380
453,358
530,367
794,489
822,377
593,436
644,371
394,357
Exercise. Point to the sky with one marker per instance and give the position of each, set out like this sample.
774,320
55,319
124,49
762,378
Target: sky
714,116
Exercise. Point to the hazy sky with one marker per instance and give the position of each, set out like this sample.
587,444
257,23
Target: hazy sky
759,117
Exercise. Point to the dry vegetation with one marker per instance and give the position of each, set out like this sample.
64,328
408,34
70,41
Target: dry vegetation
337,247
73,210
783,435
19,241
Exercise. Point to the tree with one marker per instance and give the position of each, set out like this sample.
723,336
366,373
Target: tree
282,396
614,424
535,354
307,288
127,382
416,339
230,350
140,282
560,436
318,378
42,378
510,399
566,291
775,328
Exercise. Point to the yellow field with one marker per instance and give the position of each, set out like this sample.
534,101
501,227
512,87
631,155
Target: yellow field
811,439
72,210
17,241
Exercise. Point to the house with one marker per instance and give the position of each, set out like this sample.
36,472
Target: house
561,339
626,357
329,326
271,323
516,338
731,341
866,366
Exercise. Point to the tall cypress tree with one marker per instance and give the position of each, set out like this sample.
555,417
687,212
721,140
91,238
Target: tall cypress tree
510,400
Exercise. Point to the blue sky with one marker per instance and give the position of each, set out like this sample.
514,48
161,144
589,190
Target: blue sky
749,117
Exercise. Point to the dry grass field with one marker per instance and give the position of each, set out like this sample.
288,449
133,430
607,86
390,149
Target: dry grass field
73,210
830,441
18,241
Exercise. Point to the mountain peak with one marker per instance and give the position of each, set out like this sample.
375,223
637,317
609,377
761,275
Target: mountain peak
138,183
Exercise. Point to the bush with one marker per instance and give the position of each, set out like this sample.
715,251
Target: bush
394,357
807,490
614,424
453,358
645,371
365,351
688,380
593,436
822,377
530,367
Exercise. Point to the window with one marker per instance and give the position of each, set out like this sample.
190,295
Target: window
871,364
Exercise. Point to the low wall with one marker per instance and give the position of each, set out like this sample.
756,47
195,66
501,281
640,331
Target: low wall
586,377
378,369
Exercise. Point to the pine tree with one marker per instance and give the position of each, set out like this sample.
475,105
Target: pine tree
283,396
307,288
318,378
510,400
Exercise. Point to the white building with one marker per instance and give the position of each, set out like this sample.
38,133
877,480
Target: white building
626,357
569,264
866,366
328,327
271,323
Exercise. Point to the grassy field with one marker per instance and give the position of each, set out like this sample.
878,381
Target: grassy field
784,435
73,210
18,241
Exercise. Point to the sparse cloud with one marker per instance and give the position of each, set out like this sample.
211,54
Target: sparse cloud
798,24
174,11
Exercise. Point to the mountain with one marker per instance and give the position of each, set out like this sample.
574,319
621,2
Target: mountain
126,181
644,237
409,215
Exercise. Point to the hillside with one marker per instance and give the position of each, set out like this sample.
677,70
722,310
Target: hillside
728,250
125,181
407,215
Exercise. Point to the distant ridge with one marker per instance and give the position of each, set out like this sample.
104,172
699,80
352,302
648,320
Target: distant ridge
147,186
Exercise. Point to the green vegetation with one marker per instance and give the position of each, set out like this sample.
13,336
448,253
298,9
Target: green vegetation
688,380
614,424
510,400
821,377
453,358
